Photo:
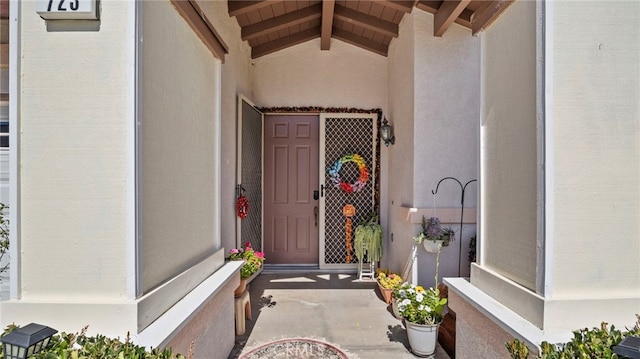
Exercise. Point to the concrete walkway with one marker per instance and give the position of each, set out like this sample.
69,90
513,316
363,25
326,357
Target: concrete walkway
331,306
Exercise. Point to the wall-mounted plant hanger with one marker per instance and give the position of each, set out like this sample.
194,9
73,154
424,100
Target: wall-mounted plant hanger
463,189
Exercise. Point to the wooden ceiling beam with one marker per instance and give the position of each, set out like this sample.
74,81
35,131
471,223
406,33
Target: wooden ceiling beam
4,56
328,8
431,6
465,18
4,9
480,9
361,42
366,21
447,14
4,30
284,42
487,15
200,24
404,6
241,7
281,22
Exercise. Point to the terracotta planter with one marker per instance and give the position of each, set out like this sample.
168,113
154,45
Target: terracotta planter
245,282
422,338
386,293
241,288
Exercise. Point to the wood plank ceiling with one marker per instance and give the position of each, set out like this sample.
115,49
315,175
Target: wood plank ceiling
272,25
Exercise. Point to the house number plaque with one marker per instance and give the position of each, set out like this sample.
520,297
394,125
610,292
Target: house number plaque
67,9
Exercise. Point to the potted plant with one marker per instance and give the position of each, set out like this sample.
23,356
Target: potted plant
433,236
251,267
421,310
368,239
394,301
387,282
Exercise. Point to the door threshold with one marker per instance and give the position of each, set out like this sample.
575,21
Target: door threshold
303,268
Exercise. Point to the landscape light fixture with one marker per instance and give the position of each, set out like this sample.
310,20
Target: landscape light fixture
386,133
26,341
629,347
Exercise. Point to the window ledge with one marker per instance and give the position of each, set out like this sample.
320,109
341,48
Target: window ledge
505,318
446,215
161,329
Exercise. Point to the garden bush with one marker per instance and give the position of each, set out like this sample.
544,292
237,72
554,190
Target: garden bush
81,346
4,239
595,343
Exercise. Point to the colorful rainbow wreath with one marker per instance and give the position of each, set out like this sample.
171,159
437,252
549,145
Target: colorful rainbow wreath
334,173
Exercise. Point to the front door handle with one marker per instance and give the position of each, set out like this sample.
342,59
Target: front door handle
315,214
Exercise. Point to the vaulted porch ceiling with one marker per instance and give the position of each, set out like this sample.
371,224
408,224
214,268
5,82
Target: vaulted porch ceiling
272,25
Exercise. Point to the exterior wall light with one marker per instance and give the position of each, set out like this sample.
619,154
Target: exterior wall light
386,133
629,347
24,342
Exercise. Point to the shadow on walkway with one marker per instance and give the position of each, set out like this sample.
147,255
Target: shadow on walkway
334,307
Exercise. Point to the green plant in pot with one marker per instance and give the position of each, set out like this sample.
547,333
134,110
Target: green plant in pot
387,282
368,238
433,236
387,279
421,310
253,262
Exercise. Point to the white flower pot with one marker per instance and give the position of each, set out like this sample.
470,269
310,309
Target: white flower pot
422,338
394,307
432,246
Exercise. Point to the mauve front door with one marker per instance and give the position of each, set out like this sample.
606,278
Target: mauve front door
291,144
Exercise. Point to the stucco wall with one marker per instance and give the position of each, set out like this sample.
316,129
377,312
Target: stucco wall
446,129
509,145
77,190
400,171
447,112
73,158
476,335
303,75
590,80
236,79
596,144
434,106
178,146
591,151
75,201
211,332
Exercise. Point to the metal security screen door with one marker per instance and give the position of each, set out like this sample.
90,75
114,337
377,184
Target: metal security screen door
249,173
347,156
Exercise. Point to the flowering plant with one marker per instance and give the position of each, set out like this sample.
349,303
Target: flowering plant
418,305
432,230
253,260
388,279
